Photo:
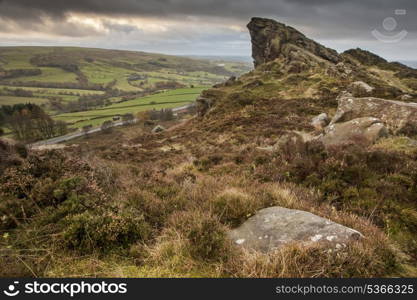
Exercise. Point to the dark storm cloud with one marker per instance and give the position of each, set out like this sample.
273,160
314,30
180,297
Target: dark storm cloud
218,8
328,18
339,24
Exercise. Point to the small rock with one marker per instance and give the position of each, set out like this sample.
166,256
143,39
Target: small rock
290,139
293,140
406,97
360,89
279,226
320,121
158,128
344,94
342,68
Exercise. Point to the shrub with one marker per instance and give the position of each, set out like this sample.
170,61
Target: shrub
242,99
409,129
155,209
21,149
207,162
106,127
206,236
91,232
70,186
233,206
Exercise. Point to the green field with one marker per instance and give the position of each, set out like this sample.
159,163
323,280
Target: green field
11,100
71,72
53,91
169,99
100,66
40,95
58,77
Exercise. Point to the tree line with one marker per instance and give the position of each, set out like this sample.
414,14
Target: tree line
30,123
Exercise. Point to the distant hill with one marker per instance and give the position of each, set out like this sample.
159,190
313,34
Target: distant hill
410,63
98,69
71,79
245,59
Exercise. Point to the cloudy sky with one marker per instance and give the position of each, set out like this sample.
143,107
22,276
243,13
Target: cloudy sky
208,27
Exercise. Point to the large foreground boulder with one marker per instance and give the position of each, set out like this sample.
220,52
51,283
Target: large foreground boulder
365,131
274,227
399,117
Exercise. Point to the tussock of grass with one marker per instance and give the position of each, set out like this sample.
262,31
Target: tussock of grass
357,260
403,144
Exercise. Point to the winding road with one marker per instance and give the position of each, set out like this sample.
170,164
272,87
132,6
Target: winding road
79,133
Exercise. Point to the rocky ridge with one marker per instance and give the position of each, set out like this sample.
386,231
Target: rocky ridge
362,117
272,40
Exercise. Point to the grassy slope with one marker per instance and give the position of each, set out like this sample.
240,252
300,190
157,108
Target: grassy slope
371,190
177,193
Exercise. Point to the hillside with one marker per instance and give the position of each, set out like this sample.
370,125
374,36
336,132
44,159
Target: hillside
68,81
85,68
319,144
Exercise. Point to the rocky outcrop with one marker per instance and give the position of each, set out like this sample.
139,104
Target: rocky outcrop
271,40
274,227
365,131
341,70
360,89
320,121
280,50
399,117
293,141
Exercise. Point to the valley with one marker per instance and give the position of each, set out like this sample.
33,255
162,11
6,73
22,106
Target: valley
83,86
303,166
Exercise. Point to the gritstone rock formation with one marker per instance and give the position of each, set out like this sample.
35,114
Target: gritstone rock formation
271,39
274,227
399,117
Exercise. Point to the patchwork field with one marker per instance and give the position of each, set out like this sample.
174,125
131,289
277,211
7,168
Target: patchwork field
11,100
125,70
169,99
88,86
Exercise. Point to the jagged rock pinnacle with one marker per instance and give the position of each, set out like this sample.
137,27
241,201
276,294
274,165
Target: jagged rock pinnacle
270,40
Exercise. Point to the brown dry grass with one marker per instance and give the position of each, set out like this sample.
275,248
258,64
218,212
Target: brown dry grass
193,183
